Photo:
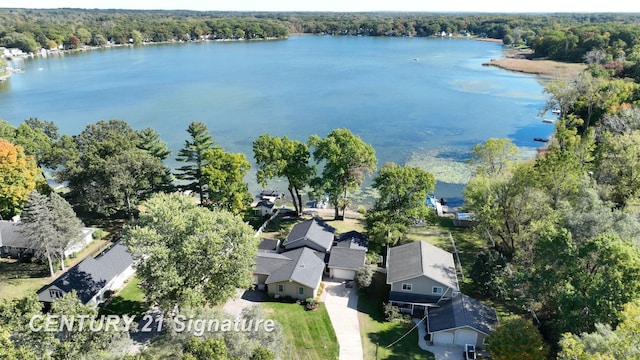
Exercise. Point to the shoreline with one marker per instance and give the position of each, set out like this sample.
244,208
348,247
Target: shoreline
522,62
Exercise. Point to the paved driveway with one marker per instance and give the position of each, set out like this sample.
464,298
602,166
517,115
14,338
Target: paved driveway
244,299
440,352
341,304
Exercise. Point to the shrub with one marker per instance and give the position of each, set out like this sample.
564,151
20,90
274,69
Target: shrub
391,313
364,277
98,234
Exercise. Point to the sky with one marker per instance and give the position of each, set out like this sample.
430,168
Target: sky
341,5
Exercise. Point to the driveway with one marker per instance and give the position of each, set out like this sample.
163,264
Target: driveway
440,352
341,303
244,299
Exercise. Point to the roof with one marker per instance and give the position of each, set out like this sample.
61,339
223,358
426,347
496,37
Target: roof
302,265
265,203
11,236
345,258
413,298
461,311
268,244
419,258
89,276
353,240
313,230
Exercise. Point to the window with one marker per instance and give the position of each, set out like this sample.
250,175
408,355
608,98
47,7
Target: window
407,287
280,288
301,290
436,290
55,293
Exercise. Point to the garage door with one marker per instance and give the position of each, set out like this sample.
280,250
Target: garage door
344,274
466,337
443,338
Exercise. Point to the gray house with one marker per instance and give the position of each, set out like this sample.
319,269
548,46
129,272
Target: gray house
461,320
348,255
92,277
420,275
424,283
296,273
313,233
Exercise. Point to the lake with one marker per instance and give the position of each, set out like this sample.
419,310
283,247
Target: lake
420,101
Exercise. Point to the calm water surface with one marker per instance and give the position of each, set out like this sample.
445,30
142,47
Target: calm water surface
424,100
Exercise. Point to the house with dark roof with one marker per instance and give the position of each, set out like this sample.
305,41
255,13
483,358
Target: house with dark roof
269,245
296,273
14,244
313,233
461,320
92,277
265,208
424,282
348,255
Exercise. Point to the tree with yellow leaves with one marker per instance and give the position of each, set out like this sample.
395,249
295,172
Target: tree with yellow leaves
18,173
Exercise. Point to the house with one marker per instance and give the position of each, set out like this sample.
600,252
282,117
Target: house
296,273
92,277
14,244
265,208
271,195
420,275
348,255
461,320
424,283
312,233
344,262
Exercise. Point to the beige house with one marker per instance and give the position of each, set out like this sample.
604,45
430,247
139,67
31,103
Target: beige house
295,273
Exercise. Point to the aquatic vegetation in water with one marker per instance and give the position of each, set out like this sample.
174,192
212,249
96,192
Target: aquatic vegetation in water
446,163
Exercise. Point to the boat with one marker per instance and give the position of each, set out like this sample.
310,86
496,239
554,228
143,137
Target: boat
540,139
555,111
548,121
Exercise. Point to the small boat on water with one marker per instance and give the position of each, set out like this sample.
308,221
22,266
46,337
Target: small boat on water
555,111
548,121
540,139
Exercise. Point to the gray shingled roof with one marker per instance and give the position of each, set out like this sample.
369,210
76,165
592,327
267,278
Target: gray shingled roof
89,276
10,236
419,258
265,203
304,267
268,262
314,230
461,311
353,240
268,244
345,258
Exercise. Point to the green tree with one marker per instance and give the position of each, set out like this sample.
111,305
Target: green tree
18,174
193,155
347,160
403,191
283,157
223,174
205,349
517,338
364,276
9,351
191,255
618,167
108,168
494,157
489,272
260,353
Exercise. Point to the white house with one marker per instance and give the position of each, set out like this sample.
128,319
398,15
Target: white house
14,244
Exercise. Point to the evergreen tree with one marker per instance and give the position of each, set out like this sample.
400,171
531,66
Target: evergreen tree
192,154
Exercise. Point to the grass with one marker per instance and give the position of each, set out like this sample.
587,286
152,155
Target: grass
375,330
130,300
309,333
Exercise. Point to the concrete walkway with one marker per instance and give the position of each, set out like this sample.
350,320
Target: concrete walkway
341,303
440,352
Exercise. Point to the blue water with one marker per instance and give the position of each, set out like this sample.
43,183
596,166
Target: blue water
399,94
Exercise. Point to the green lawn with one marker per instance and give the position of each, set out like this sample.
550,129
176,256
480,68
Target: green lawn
130,300
308,333
373,328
